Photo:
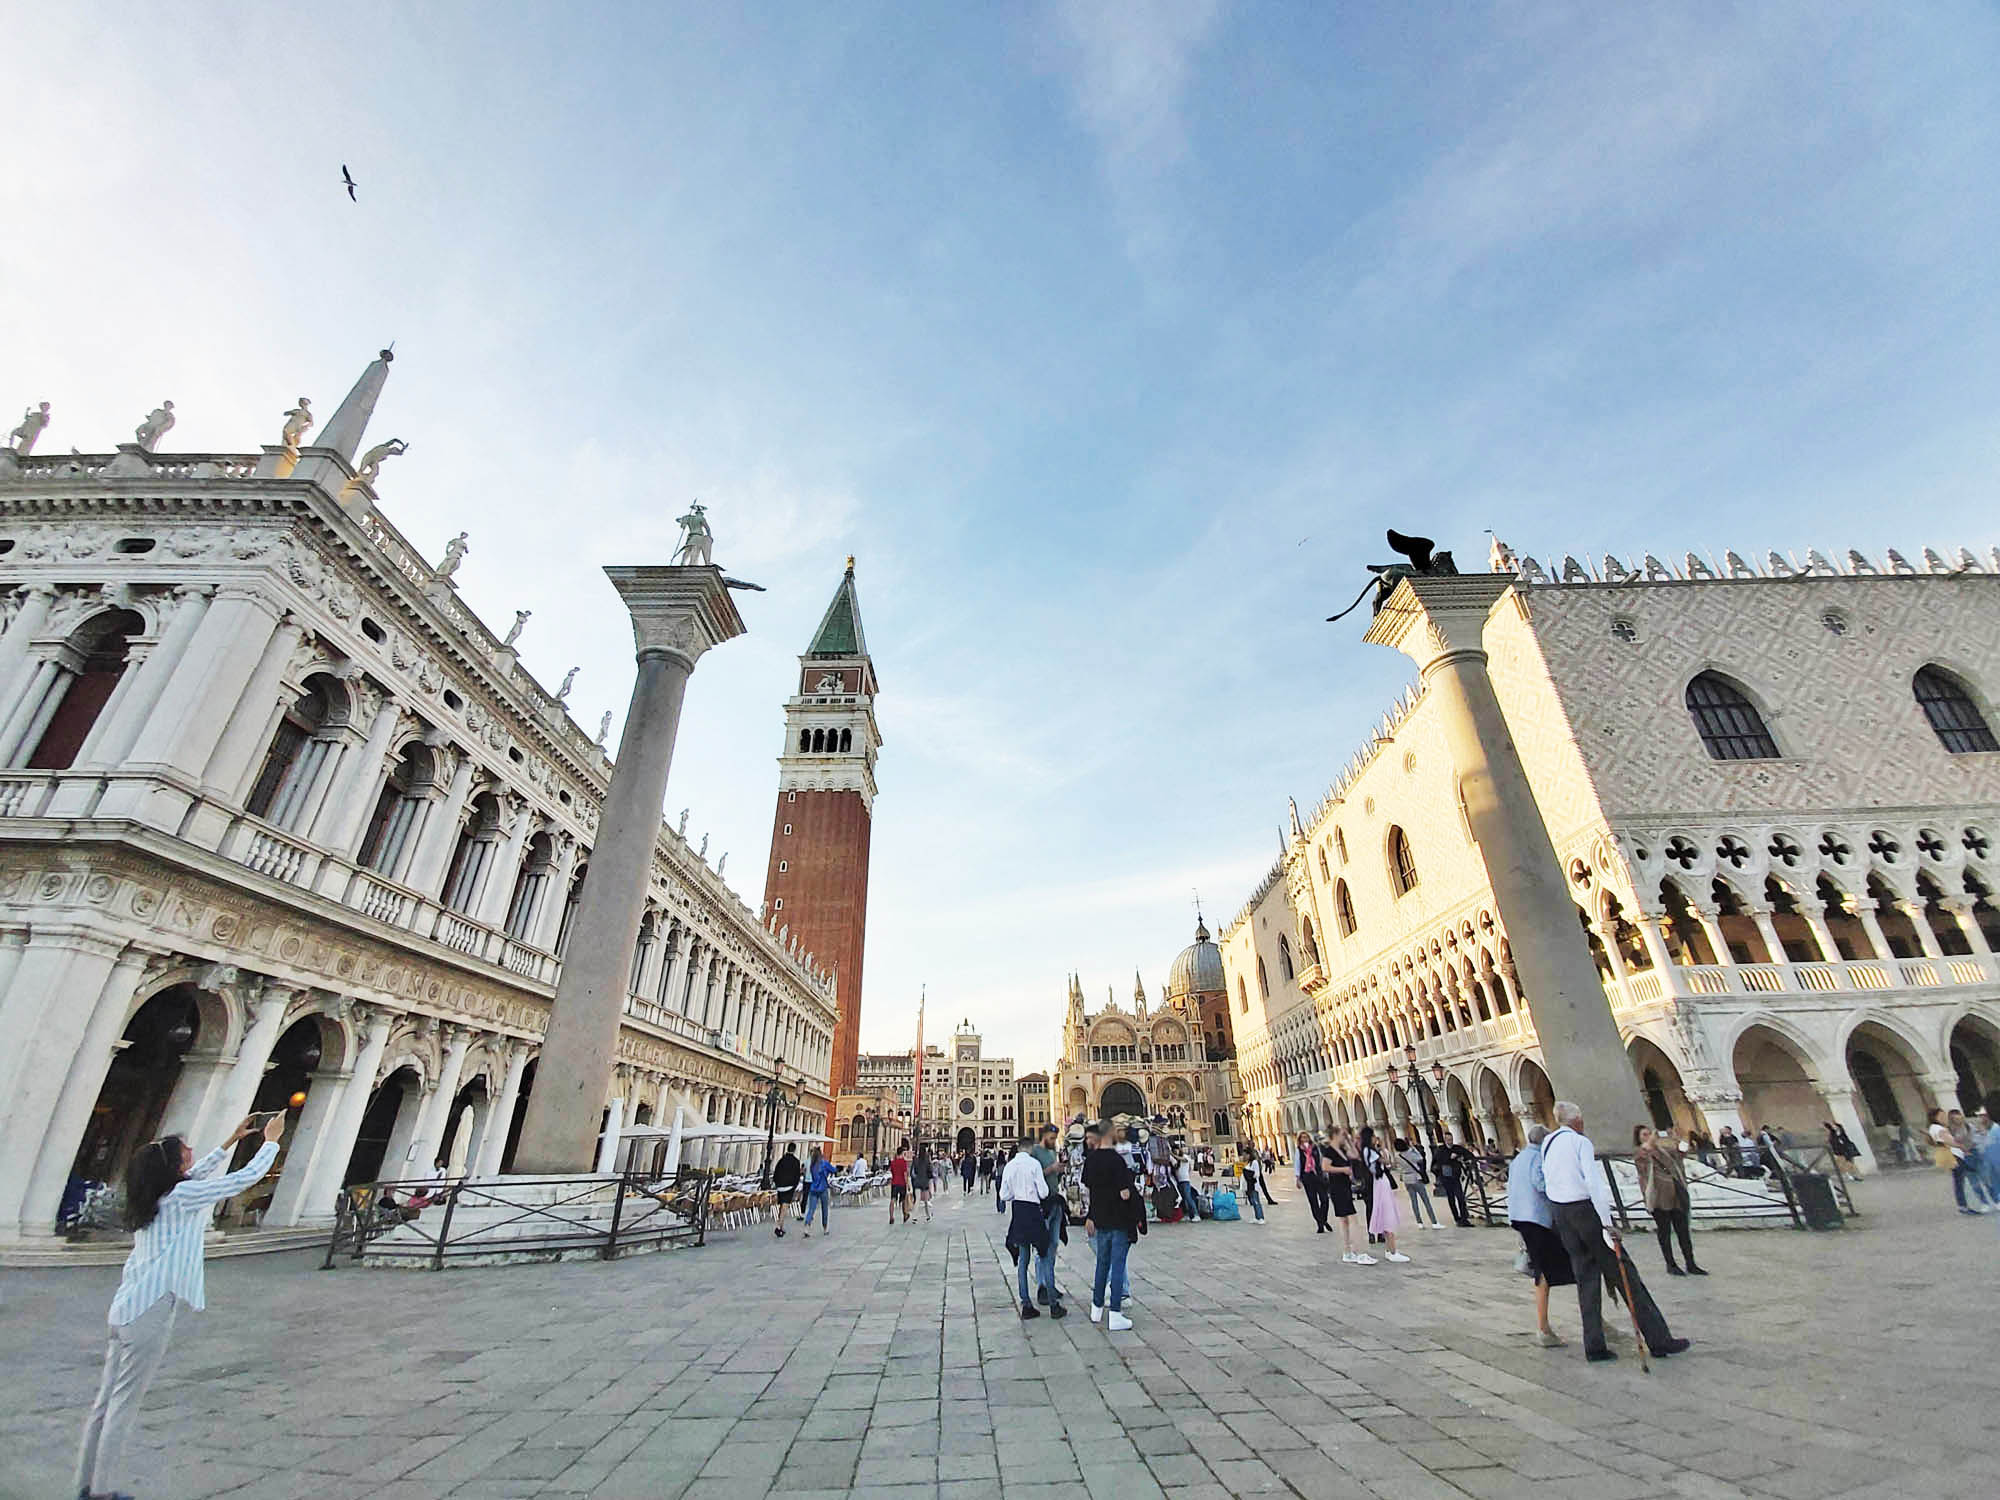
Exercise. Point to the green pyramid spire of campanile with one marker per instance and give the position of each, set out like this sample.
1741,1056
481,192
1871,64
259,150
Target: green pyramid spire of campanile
839,632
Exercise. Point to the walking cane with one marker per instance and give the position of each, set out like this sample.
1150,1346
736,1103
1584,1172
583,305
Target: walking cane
1625,1278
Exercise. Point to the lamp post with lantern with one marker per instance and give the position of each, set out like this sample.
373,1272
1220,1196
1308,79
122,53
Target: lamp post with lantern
1409,1078
774,1100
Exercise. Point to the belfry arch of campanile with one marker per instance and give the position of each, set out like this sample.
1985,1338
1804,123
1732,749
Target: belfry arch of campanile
816,883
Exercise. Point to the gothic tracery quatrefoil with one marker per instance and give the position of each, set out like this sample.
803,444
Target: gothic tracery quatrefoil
1884,848
1832,846
1733,849
1682,852
1930,845
1975,842
1785,849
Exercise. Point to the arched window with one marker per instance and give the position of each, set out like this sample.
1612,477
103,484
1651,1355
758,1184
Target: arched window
1728,722
641,950
1285,956
1324,872
299,753
527,898
469,861
1242,995
1402,864
1312,943
390,838
846,739
1340,846
1955,718
1343,909
1263,978
570,899
819,741
69,692
805,741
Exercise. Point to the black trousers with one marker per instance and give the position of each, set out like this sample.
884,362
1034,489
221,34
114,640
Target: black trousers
1583,1236
1453,1189
1316,1198
1673,1221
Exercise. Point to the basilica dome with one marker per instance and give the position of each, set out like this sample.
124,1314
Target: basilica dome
1198,970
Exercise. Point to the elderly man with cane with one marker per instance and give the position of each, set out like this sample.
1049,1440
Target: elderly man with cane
1581,1197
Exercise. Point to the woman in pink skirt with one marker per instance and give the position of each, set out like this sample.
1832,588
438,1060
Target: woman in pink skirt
1383,1219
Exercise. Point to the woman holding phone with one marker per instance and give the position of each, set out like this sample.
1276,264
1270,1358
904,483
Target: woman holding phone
169,1199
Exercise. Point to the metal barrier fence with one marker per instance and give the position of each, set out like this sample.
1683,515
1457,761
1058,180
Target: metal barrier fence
1727,1197
520,1216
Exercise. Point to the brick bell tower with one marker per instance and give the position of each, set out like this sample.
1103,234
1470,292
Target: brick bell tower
816,884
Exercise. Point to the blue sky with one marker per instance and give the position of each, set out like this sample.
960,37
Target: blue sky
1107,337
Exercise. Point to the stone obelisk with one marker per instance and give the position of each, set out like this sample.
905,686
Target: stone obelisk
1439,622
678,612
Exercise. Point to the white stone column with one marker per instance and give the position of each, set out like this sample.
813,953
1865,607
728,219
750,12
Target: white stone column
1927,939
427,866
13,943
1821,931
31,1205
437,1113
518,822
181,733
1710,918
1864,913
252,722
1962,913
347,807
494,1146
678,613
42,1022
31,711
607,1143
239,1091
118,726
190,1108
1768,930
311,1140
316,1194
14,644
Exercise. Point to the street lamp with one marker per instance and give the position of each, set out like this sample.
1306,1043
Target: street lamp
774,1100
874,1137
1413,1081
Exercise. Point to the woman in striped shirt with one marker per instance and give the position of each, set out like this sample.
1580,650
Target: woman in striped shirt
169,1199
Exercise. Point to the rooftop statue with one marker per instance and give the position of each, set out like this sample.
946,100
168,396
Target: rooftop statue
604,729
371,461
697,541
297,420
22,438
514,631
158,420
1424,561
454,554
568,682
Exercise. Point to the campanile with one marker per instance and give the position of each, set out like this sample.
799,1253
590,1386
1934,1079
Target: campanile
816,884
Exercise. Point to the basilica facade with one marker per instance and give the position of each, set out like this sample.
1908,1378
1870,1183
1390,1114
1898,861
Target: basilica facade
283,824
1173,1063
1775,794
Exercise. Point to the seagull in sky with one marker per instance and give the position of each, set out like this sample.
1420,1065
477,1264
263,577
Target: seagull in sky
348,178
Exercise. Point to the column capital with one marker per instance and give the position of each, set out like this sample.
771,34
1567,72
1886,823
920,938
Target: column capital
681,612
1434,619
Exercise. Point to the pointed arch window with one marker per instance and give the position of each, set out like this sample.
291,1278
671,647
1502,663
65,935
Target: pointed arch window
1263,978
1285,956
1727,721
1956,720
1242,996
1343,909
1311,942
1402,864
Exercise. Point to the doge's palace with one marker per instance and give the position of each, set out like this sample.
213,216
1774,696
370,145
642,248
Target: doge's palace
281,817
1774,790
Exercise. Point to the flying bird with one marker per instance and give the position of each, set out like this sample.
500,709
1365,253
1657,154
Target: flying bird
348,178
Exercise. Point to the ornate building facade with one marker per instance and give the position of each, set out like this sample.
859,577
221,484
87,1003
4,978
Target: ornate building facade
281,819
1032,1110
816,883
1775,792
1145,1062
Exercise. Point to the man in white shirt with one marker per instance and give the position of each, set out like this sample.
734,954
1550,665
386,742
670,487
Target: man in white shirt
1581,1196
1023,1186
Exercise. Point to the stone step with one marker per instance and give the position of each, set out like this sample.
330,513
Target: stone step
112,1252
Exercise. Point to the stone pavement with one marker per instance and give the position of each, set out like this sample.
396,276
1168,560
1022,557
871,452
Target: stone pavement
891,1362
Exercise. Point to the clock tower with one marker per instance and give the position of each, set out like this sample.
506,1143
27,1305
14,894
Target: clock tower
816,885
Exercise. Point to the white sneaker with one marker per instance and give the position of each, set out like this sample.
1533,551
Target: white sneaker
1096,1313
1362,1260
1397,1257
1118,1323
1347,1256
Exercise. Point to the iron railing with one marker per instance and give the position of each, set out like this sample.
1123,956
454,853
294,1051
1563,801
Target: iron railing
537,1218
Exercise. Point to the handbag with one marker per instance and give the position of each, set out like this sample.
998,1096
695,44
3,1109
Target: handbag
1523,1264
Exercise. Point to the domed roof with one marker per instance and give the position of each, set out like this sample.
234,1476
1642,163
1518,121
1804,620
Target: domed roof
1198,970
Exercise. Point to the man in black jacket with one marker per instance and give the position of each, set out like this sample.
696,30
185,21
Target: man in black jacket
785,1178
1115,1214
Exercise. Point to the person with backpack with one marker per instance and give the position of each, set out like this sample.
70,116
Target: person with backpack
785,1179
1412,1153
819,1185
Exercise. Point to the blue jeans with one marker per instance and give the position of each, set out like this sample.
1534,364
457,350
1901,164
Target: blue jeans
1098,1250
1021,1271
1111,1246
818,1198
1256,1203
1189,1201
1046,1272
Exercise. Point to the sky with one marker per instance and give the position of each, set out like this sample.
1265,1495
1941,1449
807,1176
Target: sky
1107,337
